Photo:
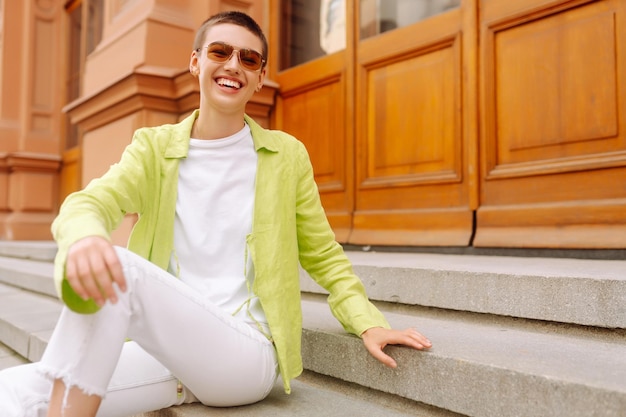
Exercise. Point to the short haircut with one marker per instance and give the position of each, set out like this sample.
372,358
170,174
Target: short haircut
235,18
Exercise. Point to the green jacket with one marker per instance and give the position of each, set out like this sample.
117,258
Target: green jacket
289,225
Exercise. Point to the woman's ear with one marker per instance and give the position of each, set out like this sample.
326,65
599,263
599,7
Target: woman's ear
193,64
261,79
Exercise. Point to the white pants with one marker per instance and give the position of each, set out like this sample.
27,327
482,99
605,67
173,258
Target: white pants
177,335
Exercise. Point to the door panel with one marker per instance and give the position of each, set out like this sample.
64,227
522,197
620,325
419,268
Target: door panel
394,108
312,107
558,79
413,184
553,155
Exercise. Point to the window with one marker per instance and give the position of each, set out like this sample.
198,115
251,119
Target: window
378,16
85,19
311,29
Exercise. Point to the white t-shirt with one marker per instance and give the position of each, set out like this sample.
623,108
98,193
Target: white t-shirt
214,210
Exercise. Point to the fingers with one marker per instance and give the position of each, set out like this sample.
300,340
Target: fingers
410,338
115,268
382,357
72,275
375,340
92,267
416,339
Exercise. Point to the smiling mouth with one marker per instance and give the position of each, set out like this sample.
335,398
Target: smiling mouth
228,83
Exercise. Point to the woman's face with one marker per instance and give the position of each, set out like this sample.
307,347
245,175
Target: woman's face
227,85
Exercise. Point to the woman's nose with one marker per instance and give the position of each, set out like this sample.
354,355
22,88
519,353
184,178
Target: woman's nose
233,61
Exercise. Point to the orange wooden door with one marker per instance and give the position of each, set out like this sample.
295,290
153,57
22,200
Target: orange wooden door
553,101
416,132
315,106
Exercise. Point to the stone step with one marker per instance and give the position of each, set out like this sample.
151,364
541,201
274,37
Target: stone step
512,336
28,265
475,368
309,398
9,358
32,275
578,291
37,250
575,291
27,320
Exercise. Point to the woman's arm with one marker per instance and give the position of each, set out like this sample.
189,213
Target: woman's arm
86,264
323,258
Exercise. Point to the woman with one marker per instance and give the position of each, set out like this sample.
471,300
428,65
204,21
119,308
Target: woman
208,289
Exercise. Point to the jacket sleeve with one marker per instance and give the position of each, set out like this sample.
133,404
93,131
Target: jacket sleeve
324,259
98,209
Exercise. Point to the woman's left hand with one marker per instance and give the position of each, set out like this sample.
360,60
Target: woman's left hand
376,338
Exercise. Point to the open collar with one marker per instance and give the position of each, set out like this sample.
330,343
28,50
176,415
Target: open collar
178,144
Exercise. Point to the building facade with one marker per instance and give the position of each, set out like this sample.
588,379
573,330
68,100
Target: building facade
486,123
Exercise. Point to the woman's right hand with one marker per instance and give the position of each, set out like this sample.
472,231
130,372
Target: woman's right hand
91,268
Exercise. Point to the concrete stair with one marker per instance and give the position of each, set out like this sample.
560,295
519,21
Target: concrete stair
511,336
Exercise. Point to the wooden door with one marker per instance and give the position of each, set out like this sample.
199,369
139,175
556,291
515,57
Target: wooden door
553,101
315,106
416,132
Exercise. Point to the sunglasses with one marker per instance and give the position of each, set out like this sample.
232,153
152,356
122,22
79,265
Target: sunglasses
222,52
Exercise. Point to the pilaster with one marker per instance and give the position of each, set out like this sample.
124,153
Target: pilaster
30,117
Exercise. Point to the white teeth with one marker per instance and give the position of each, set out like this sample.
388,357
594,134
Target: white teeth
228,83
